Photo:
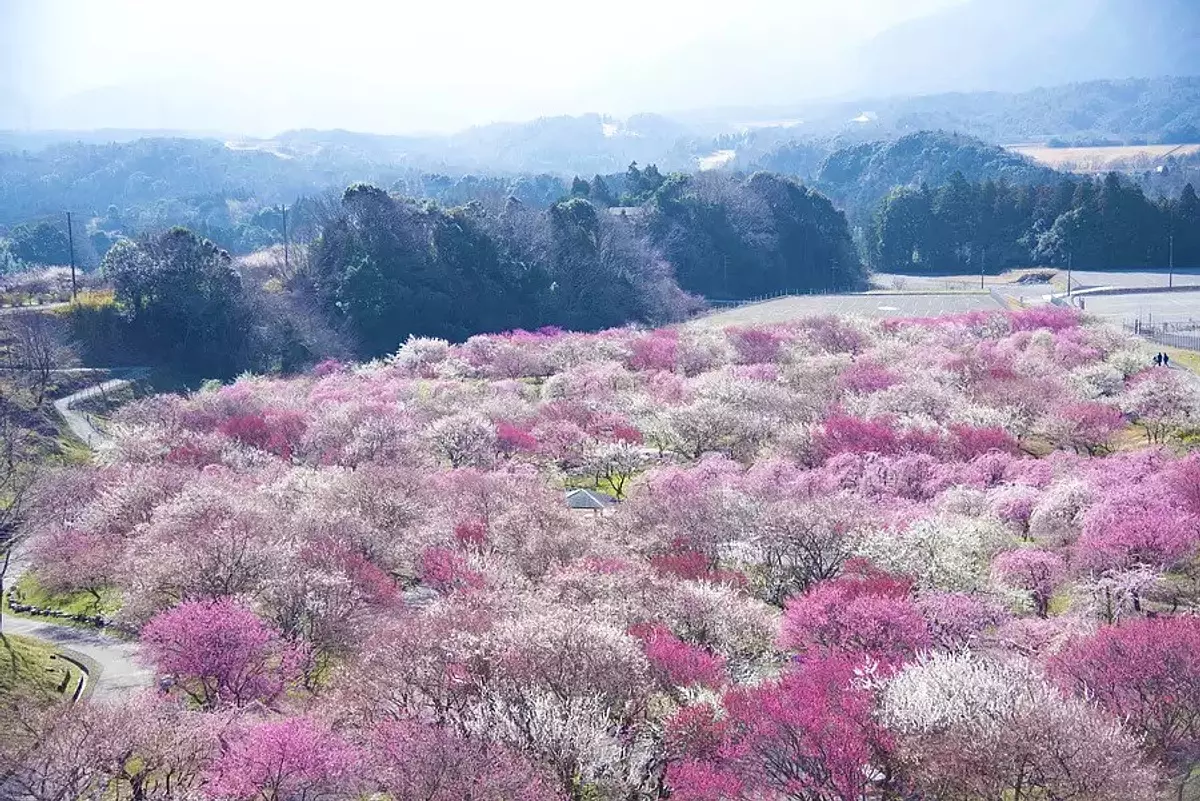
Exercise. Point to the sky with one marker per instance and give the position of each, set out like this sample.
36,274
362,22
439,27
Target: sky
395,66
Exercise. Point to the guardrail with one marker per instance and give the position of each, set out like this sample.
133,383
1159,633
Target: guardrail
783,293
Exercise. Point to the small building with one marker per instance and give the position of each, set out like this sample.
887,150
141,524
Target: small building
588,499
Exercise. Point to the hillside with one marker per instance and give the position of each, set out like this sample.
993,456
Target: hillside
377,580
857,177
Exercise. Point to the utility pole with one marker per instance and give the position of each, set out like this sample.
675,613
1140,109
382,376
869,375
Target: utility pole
1070,259
71,243
1171,269
286,269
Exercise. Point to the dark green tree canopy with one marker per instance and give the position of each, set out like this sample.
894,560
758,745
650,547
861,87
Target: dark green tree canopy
182,299
735,237
385,268
43,244
991,226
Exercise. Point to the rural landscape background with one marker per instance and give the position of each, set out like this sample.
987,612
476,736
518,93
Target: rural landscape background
523,401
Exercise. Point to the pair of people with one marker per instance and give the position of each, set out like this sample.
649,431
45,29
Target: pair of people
1162,360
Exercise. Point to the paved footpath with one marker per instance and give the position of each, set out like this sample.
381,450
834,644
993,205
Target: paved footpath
115,667
81,423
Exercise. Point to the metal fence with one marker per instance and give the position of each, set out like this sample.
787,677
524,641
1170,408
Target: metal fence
1179,334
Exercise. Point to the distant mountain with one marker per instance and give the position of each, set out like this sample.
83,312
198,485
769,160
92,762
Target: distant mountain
587,144
1014,45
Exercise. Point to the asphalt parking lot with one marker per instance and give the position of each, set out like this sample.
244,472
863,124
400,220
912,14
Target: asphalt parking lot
1132,278
792,308
1175,308
1080,279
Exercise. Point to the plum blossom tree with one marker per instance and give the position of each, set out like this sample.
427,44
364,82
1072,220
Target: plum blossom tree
855,617
615,463
957,620
1014,504
1160,400
1145,673
755,345
807,735
220,653
971,728
1138,525
1037,572
676,663
446,570
146,748
798,544
464,440
407,759
73,559
291,758
1085,426
947,553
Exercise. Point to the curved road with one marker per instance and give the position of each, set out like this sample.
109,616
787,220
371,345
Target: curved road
80,423
116,668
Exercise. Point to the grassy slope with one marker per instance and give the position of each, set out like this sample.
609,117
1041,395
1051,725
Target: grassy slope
27,590
30,666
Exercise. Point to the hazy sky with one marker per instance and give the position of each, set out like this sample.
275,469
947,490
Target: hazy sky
260,66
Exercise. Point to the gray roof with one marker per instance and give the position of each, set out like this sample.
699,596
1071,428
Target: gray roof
587,499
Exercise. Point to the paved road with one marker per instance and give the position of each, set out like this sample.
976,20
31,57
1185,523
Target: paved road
881,305
81,423
1159,307
116,668
1079,279
42,307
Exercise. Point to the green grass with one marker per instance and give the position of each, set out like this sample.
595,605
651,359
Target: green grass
32,667
79,602
1060,604
1184,358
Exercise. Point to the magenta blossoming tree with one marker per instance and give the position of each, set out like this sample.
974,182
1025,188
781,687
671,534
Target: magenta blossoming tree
1145,673
808,735
1037,572
220,653
857,618
291,758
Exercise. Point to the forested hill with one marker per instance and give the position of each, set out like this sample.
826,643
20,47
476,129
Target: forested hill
231,195
857,177
383,268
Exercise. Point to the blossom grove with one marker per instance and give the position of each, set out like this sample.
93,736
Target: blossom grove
948,558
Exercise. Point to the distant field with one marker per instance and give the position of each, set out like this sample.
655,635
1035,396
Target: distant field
1099,159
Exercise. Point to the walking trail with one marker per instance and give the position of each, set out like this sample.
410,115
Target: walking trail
115,668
